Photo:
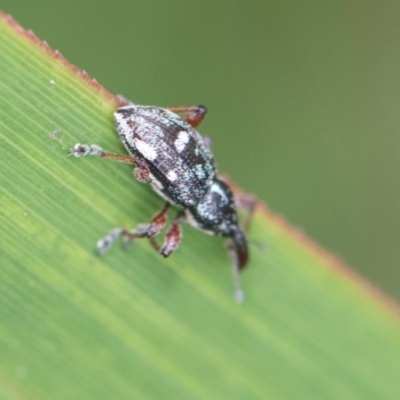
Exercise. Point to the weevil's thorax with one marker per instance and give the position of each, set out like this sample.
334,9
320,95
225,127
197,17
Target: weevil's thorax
180,164
216,212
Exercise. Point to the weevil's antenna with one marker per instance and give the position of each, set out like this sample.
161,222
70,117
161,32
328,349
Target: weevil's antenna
258,243
238,250
238,292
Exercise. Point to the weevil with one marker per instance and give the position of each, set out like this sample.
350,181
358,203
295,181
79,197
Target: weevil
177,161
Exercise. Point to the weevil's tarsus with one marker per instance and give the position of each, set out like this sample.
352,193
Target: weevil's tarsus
106,243
81,150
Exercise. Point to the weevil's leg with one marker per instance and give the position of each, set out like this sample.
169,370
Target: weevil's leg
247,202
238,292
149,230
142,231
172,238
154,244
192,115
81,150
141,172
105,243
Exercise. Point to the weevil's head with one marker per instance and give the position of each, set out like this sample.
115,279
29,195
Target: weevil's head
216,214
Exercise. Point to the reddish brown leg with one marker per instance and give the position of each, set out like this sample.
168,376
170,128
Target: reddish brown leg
142,231
156,225
141,171
247,202
118,157
81,150
172,238
192,115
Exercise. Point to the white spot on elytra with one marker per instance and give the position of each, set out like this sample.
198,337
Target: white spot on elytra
52,81
148,152
181,140
171,175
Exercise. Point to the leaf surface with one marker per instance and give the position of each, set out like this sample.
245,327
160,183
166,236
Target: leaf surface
130,324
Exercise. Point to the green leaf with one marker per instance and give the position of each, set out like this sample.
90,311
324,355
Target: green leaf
131,325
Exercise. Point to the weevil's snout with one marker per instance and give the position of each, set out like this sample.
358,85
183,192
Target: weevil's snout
240,248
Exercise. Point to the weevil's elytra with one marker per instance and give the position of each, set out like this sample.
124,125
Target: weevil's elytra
177,162
173,151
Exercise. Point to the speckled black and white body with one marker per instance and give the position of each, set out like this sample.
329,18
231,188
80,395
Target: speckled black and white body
177,162
180,164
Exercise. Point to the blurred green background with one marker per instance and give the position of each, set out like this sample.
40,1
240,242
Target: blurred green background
303,100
